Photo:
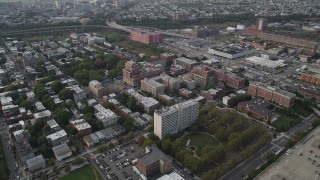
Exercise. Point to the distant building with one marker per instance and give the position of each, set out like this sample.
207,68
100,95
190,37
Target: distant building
231,51
261,24
188,64
203,75
152,86
146,37
36,163
62,152
134,72
168,58
229,78
154,161
311,75
96,88
273,94
174,119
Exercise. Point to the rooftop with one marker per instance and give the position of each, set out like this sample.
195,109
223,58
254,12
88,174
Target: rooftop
61,150
154,155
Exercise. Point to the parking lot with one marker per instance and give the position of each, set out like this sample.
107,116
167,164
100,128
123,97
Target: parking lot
116,163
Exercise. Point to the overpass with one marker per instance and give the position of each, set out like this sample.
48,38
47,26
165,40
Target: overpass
53,30
129,29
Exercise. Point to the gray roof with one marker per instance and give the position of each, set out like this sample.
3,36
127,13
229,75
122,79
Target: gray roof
154,155
35,161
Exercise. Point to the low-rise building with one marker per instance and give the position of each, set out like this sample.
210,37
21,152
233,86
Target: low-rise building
62,152
231,51
24,150
106,116
36,163
57,138
211,94
149,104
188,64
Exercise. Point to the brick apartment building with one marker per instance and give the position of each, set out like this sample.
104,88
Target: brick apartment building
154,161
229,78
273,94
146,37
203,75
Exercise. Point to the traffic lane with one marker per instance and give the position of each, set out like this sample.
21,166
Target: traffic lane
249,165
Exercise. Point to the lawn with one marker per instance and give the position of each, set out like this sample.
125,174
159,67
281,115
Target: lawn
149,50
47,37
300,110
84,173
200,140
284,123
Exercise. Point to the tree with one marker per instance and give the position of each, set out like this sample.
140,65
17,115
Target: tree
65,94
62,116
78,160
57,86
26,104
147,142
110,145
41,140
130,135
141,140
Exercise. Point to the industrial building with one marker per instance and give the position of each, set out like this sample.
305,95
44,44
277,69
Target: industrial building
173,119
231,51
265,61
146,37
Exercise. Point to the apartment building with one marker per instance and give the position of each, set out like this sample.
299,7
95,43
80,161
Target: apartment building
229,78
152,86
154,161
274,94
57,138
106,116
96,88
203,75
133,72
173,119
148,103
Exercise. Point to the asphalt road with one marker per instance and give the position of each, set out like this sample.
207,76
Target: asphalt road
11,162
248,165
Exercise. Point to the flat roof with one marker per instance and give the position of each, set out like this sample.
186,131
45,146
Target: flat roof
154,155
61,150
292,165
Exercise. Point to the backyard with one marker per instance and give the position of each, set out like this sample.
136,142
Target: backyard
84,173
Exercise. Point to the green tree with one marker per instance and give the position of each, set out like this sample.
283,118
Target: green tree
62,116
57,86
65,94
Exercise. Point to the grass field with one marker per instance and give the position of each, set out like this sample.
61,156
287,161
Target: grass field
149,50
284,123
200,140
84,173
300,110
4,171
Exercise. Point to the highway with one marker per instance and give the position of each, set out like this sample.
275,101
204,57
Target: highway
129,29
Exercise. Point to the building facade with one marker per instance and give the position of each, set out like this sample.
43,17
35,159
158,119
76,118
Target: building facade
281,97
203,75
175,118
146,37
